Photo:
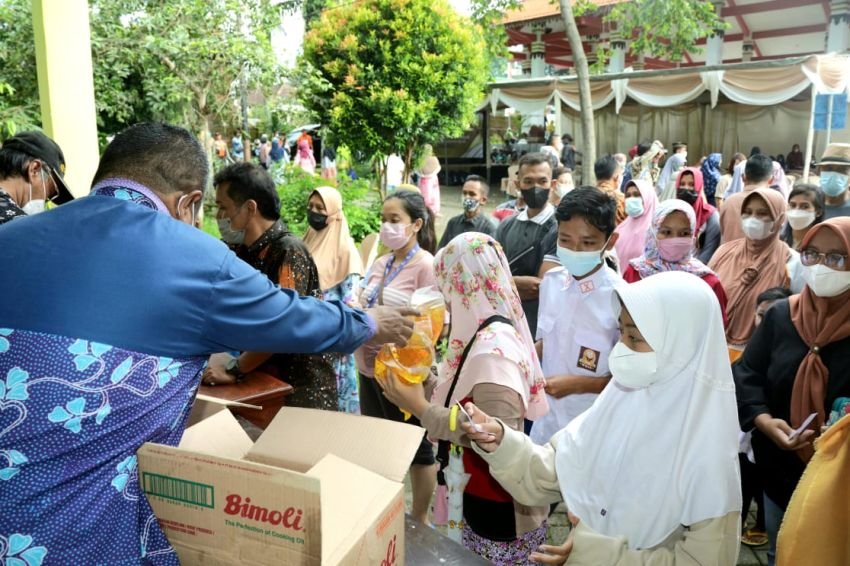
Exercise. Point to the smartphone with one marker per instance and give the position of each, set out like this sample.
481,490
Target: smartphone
475,426
802,427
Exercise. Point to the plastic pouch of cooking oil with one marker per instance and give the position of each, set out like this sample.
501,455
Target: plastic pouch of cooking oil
410,363
431,304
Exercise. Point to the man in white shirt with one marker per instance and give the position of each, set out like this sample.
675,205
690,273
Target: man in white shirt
577,326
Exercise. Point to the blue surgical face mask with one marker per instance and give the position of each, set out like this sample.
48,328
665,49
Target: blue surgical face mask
634,206
579,264
832,183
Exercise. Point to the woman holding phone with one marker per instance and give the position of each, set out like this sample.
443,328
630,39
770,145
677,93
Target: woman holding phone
797,364
650,471
491,361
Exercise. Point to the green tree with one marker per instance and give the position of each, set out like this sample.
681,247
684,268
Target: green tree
184,60
312,10
390,75
181,61
19,109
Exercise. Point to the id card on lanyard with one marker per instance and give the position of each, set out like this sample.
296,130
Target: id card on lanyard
390,276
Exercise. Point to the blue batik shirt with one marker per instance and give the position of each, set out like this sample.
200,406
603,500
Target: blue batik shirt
109,311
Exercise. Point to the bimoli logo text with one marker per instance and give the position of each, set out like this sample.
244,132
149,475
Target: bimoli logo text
289,517
390,560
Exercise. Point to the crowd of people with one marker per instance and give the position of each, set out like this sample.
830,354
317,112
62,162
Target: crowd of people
657,351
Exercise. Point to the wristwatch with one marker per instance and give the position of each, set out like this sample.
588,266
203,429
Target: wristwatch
232,368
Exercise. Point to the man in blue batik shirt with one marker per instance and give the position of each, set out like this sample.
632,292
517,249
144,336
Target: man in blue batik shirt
111,305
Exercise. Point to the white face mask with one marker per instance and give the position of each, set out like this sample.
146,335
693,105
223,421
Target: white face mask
799,219
635,370
756,229
564,188
35,206
825,281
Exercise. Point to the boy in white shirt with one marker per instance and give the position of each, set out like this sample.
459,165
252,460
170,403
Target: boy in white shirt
577,325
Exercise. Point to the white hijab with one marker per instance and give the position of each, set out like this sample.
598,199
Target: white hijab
639,463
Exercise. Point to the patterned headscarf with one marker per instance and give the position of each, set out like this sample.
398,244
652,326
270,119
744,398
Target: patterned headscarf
650,262
711,175
475,280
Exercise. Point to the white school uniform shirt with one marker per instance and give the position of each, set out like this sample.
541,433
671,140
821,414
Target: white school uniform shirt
578,326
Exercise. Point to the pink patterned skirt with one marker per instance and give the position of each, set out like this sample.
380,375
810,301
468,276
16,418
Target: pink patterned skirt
506,553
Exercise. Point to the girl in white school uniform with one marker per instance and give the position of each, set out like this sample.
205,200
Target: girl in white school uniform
650,472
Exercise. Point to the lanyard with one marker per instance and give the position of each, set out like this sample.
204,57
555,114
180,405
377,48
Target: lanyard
388,277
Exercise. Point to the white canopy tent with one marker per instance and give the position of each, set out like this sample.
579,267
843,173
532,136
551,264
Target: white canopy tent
723,109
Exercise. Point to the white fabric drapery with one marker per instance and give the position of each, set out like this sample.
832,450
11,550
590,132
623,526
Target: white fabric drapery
754,86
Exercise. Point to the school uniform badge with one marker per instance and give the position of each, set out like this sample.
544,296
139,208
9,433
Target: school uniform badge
588,358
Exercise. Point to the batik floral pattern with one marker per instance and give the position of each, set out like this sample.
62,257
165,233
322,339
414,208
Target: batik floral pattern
71,420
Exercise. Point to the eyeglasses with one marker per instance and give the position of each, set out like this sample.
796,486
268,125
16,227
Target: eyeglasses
835,261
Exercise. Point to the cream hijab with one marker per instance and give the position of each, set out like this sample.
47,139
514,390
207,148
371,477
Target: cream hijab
642,462
333,250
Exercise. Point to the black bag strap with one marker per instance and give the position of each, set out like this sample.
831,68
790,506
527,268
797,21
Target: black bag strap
445,445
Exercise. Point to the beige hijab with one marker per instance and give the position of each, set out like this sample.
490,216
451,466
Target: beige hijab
748,267
333,250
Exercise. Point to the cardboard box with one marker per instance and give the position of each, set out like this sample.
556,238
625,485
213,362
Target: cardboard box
317,488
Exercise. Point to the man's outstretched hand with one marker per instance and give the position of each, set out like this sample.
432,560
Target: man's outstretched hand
394,324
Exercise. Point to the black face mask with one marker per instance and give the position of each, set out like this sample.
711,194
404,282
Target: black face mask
688,195
317,221
536,197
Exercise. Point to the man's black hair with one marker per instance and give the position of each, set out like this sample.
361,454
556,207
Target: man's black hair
482,182
773,294
162,157
677,145
606,167
596,207
248,181
14,163
759,168
534,158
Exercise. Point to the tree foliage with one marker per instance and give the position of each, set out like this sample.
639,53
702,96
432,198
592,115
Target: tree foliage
19,109
665,29
183,60
180,61
390,75
312,10
488,14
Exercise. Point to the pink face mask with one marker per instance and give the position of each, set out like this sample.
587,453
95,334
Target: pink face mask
394,236
675,250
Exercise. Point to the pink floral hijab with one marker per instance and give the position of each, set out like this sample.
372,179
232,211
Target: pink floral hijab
650,262
475,280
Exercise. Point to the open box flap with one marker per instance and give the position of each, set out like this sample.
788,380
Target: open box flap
298,438
364,505
219,434
206,406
